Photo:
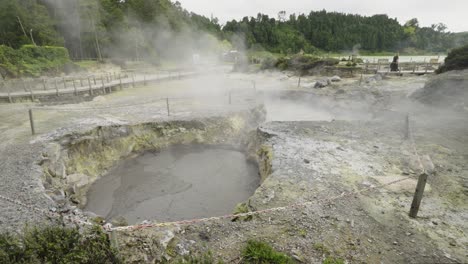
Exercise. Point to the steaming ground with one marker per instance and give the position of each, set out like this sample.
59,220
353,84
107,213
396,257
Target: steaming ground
350,137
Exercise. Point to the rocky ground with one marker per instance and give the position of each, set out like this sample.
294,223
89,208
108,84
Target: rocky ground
324,160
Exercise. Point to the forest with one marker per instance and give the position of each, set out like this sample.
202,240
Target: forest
149,29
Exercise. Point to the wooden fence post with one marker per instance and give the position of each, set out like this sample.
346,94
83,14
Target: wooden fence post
9,97
74,88
167,105
44,84
418,194
32,95
299,82
407,127
64,83
31,121
56,87
103,87
24,85
90,87
120,81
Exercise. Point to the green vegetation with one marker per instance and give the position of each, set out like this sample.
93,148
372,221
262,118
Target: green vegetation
300,63
332,260
258,252
457,59
125,30
332,31
57,245
206,258
32,61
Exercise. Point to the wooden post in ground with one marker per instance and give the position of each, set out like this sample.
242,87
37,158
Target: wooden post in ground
32,95
299,82
44,84
120,81
74,88
24,85
418,194
94,77
31,121
81,82
9,98
56,87
64,83
360,80
90,87
407,127
103,87
133,80
167,105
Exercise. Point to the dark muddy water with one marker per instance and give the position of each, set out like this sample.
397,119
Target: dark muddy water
181,182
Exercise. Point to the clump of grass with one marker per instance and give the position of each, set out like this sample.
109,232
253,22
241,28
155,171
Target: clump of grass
206,258
258,252
57,245
332,260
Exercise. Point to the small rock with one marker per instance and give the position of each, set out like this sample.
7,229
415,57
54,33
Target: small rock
408,234
335,78
435,222
395,243
321,84
453,244
306,161
99,99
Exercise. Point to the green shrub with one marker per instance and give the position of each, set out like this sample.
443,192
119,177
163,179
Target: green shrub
57,245
30,60
457,59
258,252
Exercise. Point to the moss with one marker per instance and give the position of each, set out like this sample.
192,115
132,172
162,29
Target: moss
332,260
242,208
259,252
322,248
265,158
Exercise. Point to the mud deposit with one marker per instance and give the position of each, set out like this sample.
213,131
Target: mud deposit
181,182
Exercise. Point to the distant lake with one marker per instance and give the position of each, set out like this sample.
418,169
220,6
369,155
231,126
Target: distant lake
404,58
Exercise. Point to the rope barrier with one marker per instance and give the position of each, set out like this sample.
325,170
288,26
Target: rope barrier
253,213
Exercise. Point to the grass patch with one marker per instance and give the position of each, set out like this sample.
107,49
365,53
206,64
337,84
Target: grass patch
206,258
57,245
257,252
332,260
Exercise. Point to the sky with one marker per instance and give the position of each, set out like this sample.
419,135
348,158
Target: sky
453,13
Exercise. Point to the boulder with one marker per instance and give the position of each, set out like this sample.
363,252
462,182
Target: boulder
335,78
321,84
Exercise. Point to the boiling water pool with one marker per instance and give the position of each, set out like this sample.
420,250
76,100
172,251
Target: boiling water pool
181,182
